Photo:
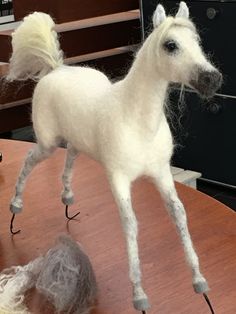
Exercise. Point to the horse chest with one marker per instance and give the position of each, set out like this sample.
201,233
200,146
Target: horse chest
132,154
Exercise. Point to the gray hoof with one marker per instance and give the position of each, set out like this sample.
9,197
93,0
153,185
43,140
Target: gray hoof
67,200
200,287
15,209
141,305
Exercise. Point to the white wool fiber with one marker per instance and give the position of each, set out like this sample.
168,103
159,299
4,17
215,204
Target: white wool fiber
64,277
14,282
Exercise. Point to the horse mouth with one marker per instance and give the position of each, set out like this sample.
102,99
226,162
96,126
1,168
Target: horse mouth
207,83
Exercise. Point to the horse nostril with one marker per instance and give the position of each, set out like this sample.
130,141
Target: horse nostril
216,79
211,79
207,82
206,79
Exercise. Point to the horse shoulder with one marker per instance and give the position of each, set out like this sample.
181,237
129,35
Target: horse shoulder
162,149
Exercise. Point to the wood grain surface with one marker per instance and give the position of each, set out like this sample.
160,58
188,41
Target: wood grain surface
166,277
64,11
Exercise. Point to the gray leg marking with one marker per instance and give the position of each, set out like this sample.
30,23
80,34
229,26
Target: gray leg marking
16,206
67,200
141,305
201,286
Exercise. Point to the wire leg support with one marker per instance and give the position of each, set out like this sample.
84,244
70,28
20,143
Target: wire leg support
11,225
67,214
209,303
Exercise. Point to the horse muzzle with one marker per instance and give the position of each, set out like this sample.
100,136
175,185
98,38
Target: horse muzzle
207,83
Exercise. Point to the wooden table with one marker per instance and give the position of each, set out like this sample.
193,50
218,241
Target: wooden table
166,278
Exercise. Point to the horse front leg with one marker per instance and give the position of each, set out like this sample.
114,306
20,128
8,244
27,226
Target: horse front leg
120,185
165,183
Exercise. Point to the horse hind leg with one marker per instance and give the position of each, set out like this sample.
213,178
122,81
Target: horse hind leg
67,196
35,155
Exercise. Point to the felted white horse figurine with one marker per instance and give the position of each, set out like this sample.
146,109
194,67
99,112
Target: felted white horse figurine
121,125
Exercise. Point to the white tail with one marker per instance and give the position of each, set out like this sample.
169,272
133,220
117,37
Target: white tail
36,49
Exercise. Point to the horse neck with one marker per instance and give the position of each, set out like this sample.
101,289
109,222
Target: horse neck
144,91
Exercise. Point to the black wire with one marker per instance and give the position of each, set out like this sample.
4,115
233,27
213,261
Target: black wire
208,302
67,214
11,225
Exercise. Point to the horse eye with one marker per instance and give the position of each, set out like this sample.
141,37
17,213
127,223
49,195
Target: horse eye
170,46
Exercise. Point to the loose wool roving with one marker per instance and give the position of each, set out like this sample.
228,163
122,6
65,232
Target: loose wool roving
64,277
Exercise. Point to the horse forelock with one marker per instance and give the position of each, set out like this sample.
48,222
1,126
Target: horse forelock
173,22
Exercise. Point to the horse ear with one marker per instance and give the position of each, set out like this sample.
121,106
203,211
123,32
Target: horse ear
183,10
159,15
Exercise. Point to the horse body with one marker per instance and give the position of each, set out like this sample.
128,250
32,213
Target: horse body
81,106
121,125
